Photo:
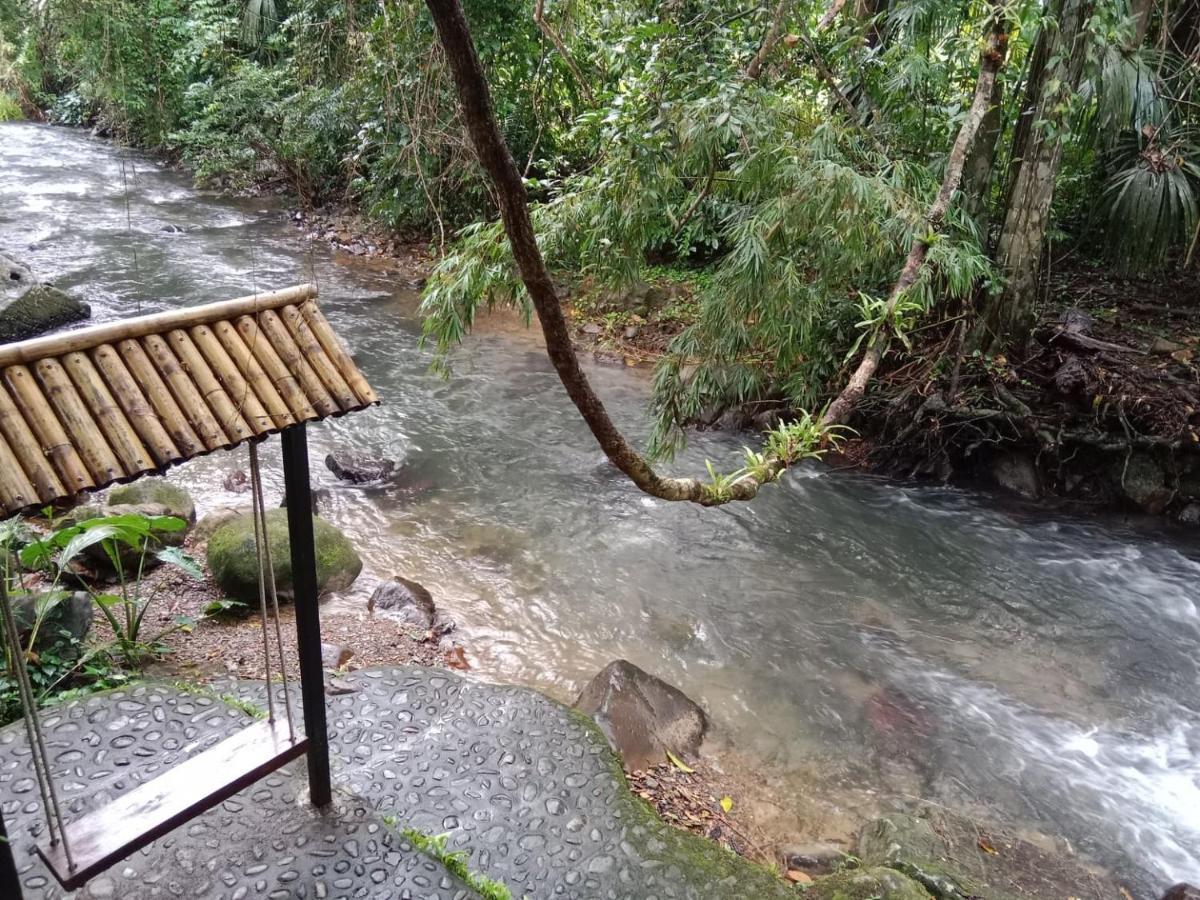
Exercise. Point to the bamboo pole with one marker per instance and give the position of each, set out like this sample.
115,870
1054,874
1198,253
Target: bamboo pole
336,351
223,408
73,413
150,383
120,434
38,413
16,491
281,377
227,372
129,329
255,375
25,445
186,402
289,352
322,365
198,414
138,409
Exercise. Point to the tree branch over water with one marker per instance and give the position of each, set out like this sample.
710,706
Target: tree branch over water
786,445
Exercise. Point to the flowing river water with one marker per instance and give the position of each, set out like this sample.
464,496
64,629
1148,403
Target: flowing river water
1047,668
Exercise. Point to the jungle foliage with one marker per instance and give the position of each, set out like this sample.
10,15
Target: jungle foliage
792,187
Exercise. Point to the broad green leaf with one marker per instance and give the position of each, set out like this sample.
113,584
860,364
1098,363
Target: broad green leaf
176,557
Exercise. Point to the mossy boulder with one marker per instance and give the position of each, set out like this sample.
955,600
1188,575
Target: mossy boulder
157,492
867,884
234,563
35,309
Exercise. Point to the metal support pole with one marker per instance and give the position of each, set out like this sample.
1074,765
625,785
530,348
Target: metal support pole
10,882
298,494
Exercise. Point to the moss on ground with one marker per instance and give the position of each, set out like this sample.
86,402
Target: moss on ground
155,490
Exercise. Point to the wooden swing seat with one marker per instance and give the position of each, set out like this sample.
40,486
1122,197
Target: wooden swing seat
109,834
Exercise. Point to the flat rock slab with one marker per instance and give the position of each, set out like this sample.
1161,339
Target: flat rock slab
528,788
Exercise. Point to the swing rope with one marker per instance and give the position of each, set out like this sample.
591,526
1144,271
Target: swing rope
33,729
266,590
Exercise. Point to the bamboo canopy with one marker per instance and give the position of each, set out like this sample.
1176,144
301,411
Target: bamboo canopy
84,409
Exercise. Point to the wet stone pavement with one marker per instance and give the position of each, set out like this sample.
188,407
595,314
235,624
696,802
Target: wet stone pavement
525,786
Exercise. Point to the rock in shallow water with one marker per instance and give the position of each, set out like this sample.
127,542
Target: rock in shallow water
643,717
1182,892
29,307
359,468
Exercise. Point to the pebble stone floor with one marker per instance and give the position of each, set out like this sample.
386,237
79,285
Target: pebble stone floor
526,787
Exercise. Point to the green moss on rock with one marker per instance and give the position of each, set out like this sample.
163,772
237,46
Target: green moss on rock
867,884
234,563
158,491
39,309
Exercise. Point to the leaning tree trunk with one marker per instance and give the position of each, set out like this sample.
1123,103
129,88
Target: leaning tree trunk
1054,74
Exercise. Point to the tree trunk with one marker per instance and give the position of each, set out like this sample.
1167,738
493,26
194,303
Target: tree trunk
1141,10
990,62
1056,66
497,162
977,173
774,33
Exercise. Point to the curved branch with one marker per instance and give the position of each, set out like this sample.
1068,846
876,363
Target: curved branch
498,162
990,63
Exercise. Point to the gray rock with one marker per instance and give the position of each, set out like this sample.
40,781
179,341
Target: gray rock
1017,472
1143,483
233,561
211,522
29,307
358,468
880,883
408,599
1182,892
334,656
642,716
812,859
159,491
1190,514
72,614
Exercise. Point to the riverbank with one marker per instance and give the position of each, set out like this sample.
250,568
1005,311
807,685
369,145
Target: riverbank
1102,413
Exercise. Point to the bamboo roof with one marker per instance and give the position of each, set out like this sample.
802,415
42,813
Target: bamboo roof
85,409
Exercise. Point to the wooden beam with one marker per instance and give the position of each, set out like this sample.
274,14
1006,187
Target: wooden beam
298,497
140,816
158,323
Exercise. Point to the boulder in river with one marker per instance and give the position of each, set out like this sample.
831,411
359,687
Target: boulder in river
642,716
359,468
234,564
1182,892
29,307
413,604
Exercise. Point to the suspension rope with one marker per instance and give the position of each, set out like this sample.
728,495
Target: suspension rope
260,541
268,570
33,730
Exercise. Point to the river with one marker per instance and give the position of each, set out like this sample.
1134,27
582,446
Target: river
1051,664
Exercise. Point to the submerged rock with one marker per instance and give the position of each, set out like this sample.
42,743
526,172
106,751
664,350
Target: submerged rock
234,563
359,468
879,883
643,717
1182,892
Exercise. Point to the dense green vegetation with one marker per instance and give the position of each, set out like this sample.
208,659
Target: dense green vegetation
784,153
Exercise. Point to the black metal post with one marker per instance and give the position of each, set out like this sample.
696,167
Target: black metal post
10,882
298,494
